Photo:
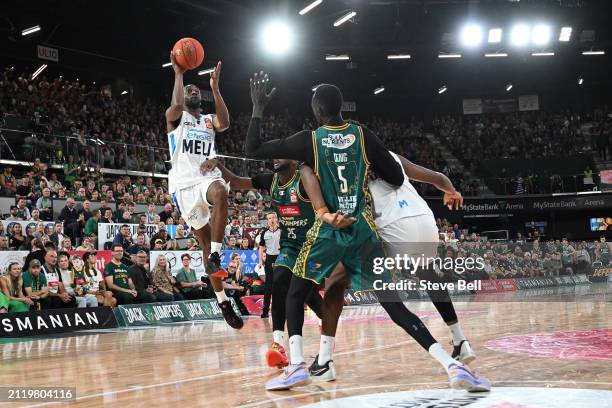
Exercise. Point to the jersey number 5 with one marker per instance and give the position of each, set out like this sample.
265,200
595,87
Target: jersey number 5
343,182
291,233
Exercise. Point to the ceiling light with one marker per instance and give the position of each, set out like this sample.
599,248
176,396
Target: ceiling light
310,7
345,18
30,30
566,34
495,35
398,56
379,90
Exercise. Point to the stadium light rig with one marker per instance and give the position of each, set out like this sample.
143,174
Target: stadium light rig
398,56
495,35
543,54
453,55
276,38
442,89
39,70
520,35
600,52
496,55
30,30
310,7
124,93
343,57
580,81
565,34
471,35
379,90
167,64
345,18
540,34
509,87
206,71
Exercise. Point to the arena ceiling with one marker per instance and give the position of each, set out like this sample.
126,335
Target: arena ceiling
129,40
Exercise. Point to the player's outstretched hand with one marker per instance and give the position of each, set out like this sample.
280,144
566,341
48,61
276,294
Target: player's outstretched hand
338,220
214,77
453,200
259,90
208,166
175,66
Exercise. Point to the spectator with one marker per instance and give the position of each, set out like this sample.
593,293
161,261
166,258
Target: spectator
139,246
85,296
191,287
118,279
86,245
66,245
95,281
140,277
123,237
163,281
142,230
35,284
16,238
37,251
91,226
57,237
13,216
23,213
58,296
4,243
24,189
35,215
73,219
234,288
150,214
70,169
231,244
8,182
108,217
166,213
67,277
86,211
11,291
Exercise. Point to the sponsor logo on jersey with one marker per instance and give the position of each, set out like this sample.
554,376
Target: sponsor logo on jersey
403,203
338,141
289,210
293,195
209,124
188,124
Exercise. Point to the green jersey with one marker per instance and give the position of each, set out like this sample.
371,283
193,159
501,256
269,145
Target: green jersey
295,213
342,168
119,273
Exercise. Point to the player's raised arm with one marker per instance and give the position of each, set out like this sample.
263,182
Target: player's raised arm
221,121
295,147
236,182
177,105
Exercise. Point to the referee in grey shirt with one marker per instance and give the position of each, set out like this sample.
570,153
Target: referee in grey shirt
270,243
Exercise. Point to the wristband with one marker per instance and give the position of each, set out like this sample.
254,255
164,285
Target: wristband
321,211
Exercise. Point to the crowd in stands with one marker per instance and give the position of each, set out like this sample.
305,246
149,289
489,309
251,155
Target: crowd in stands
529,254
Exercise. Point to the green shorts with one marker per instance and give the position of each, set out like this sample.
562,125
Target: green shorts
326,247
287,257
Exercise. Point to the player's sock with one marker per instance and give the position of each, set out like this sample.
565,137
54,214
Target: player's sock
326,348
221,296
277,336
296,349
457,333
441,355
215,247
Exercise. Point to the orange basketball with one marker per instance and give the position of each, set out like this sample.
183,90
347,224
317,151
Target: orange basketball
188,53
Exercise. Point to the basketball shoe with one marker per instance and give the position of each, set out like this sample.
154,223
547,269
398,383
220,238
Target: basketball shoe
321,373
230,316
277,356
461,378
463,352
213,266
293,375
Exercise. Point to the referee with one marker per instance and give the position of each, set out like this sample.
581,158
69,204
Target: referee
270,243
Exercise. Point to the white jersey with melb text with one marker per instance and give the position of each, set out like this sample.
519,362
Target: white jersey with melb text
191,144
391,204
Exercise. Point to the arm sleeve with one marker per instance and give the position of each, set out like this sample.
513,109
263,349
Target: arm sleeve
295,147
262,181
381,160
262,241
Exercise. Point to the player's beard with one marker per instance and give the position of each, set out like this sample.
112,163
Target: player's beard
192,103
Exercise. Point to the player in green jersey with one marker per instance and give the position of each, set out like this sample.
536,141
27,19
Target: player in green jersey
296,216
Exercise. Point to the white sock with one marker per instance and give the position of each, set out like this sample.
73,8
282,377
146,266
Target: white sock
457,333
221,296
277,336
215,247
326,347
296,349
442,356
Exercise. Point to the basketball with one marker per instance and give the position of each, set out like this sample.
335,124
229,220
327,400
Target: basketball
188,53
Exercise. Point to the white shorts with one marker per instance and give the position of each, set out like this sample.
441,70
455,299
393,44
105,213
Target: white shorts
191,202
413,236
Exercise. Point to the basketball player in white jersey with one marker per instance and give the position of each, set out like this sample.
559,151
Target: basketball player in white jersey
407,226
194,185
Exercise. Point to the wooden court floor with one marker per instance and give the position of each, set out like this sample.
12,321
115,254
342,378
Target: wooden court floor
210,365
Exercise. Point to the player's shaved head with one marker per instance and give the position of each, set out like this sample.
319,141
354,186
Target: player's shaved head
326,101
